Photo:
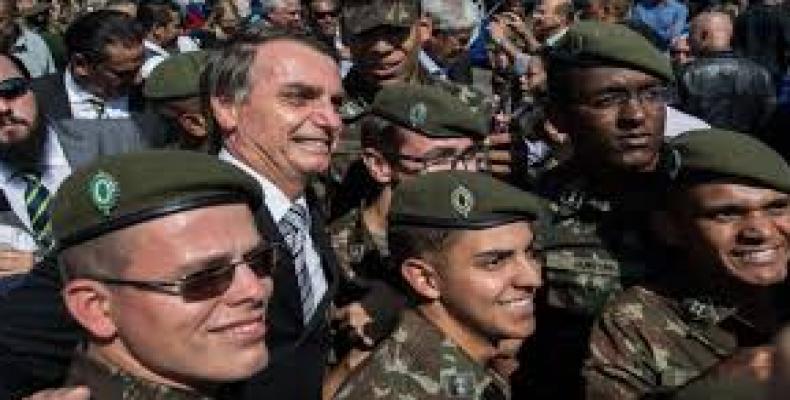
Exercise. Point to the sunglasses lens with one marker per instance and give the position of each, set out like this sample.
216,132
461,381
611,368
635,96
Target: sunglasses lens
208,283
13,88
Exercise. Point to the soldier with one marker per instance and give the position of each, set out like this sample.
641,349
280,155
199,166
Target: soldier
412,129
174,89
726,228
385,39
607,94
163,241
464,245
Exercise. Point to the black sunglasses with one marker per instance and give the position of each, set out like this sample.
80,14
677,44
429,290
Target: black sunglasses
209,282
12,88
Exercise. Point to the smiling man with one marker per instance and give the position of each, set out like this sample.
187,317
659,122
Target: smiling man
726,225
163,241
464,246
275,97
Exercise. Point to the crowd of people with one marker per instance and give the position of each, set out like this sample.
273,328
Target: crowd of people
394,199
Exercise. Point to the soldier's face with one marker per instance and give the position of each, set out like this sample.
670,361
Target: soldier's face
288,125
616,117
489,282
386,54
741,231
18,111
182,341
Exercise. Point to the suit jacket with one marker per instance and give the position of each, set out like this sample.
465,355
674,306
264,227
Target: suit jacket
298,352
53,100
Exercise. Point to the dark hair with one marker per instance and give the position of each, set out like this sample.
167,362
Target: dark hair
154,13
90,34
228,70
405,242
380,134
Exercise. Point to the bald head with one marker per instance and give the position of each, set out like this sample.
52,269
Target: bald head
711,32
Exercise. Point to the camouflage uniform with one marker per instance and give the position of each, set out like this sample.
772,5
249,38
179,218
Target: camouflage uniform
359,253
419,362
645,342
595,249
109,383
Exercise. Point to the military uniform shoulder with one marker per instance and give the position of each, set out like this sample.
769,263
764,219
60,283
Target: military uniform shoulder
636,302
108,382
417,361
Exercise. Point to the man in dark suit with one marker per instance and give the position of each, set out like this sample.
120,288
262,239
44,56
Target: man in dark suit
275,97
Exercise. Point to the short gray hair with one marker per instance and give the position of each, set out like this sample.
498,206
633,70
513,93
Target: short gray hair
452,14
227,74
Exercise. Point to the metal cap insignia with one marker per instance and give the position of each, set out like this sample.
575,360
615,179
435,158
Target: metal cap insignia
418,113
463,200
104,192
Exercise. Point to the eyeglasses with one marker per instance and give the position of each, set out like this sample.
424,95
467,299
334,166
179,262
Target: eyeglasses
12,88
325,14
393,35
209,282
619,97
446,159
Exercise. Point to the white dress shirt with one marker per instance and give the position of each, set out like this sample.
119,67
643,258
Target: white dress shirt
83,103
154,56
279,204
55,169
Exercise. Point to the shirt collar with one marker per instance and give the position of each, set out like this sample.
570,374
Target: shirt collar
77,94
276,201
155,48
430,65
553,39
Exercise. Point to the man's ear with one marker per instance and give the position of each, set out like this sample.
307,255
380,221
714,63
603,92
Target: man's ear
226,113
89,303
193,124
424,29
422,277
378,166
80,66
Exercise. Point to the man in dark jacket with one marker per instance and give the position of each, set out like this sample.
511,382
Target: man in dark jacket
725,90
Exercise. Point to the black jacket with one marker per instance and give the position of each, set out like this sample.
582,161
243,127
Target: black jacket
762,33
728,92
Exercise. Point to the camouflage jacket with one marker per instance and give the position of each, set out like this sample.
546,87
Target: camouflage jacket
419,362
358,253
110,383
597,245
646,343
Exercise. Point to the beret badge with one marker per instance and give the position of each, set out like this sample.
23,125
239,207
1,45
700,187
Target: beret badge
418,113
462,200
104,192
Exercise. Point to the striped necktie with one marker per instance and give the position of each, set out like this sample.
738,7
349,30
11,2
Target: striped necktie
37,201
293,226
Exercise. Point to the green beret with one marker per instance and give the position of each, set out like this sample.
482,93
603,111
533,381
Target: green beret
116,192
461,200
592,44
717,152
359,16
178,76
432,111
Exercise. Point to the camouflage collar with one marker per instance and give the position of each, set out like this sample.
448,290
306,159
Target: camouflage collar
460,377
109,382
